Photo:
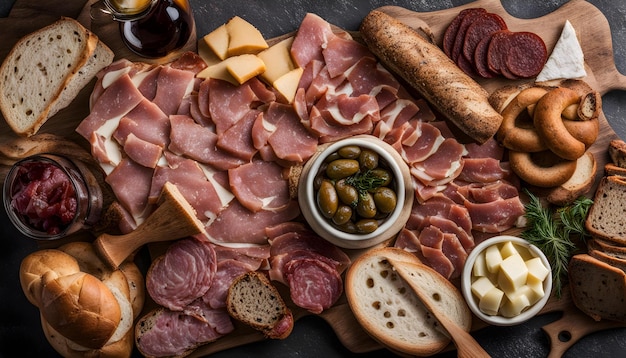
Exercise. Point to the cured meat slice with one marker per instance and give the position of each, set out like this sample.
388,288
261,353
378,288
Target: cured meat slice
527,54
237,140
227,271
481,58
228,103
484,26
442,166
147,122
495,216
142,152
172,86
340,54
312,36
459,39
368,76
278,263
166,333
313,284
289,140
183,274
482,170
260,186
499,47
450,35
131,194
311,242
433,255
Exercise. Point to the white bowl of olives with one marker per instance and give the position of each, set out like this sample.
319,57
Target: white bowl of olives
356,192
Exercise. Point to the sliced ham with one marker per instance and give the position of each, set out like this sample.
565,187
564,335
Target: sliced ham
142,152
340,54
289,140
432,251
146,121
238,140
260,185
172,86
132,194
495,216
228,103
442,166
189,61
312,36
183,274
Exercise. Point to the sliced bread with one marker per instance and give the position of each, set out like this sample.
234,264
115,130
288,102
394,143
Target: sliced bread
607,216
45,70
598,289
389,310
578,184
612,169
617,152
253,300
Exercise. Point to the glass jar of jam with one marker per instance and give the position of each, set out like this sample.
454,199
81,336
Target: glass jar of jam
48,197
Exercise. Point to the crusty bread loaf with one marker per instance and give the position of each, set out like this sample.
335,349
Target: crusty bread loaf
607,216
617,152
45,70
253,300
54,262
388,309
598,289
578,184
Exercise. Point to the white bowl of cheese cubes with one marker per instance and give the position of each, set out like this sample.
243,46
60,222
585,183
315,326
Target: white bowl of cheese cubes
506,280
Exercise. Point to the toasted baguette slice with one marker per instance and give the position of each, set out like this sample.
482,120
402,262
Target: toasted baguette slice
578,184
388,309
253,300
45,70
607,216
617,152
598,289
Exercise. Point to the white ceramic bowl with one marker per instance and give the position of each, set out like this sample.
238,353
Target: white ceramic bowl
389,227
472,301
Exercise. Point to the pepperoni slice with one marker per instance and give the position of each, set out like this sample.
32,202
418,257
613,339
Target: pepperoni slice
484,26
449,36
499,47
480,59
527,54
459,39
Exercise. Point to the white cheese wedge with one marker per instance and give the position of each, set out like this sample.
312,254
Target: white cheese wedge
244,38
567,58
217,71
536,288
513,306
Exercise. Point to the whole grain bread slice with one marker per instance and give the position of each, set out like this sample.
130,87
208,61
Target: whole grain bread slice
45,70
253,300
607,216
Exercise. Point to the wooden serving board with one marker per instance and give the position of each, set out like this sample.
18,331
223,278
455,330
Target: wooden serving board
595,37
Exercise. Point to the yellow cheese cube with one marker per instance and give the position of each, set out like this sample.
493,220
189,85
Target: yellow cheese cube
207,54
536,288
537,269
481,286
513,274
218,71
493,258
490,303
244,38
513,306
244,67
287,84
508,249
480,267
277,60
218,41
525,252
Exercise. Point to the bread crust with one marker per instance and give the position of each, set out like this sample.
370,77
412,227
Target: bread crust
426,68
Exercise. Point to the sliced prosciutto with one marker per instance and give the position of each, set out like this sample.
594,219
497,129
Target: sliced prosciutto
312,37
183,274
260,186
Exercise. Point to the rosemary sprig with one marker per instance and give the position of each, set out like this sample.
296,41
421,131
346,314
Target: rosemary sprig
364,181
551,231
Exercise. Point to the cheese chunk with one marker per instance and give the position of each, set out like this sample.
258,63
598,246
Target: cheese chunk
277,60
513,306
480,266
207,54
536,288
567,58
218,71
490,303
244,67
513,274
508,249
481,287
218,41
287,84
537,269
493,258
244,38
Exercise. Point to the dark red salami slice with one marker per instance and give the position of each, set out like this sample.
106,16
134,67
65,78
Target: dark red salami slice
480,59
527,54
449,35
499,47
459,39
313,284
484,26
183,274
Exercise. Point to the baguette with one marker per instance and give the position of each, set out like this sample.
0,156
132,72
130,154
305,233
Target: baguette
426,68
388,309
46,70
253,300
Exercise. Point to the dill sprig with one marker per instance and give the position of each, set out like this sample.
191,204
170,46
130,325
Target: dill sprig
364,181
552,230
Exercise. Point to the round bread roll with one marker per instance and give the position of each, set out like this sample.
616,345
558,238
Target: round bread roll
81,308
54,262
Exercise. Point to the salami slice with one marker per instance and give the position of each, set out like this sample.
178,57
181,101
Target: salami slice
499,47
313,284
484,26
449,37
183,274
527,54
459,39
481,59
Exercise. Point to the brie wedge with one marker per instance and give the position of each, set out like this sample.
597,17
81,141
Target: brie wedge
566,60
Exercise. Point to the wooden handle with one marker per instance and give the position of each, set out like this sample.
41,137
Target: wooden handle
466,345
173,219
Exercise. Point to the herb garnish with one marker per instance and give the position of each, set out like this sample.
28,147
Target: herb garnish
552,232
364,181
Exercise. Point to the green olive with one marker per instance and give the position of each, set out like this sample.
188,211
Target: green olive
346,192
343,215
366,208
366,226
348,227
342,168
368,159
383,174
327,200
331,157
349,152
385,199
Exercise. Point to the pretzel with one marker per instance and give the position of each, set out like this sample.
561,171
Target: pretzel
543,169
514,137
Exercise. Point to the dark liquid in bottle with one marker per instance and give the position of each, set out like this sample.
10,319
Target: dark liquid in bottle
165,28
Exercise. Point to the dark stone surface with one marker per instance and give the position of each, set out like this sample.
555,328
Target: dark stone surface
20,331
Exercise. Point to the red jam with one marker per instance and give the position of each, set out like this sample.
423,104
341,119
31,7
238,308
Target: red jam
43,195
